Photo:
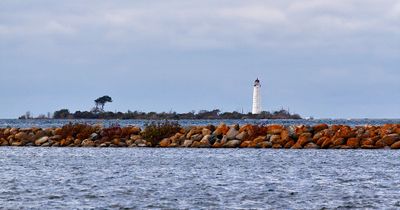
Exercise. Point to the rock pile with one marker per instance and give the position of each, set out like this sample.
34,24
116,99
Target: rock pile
223,136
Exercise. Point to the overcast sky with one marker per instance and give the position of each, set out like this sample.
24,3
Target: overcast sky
321,58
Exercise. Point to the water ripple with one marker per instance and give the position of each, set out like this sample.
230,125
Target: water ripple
123,178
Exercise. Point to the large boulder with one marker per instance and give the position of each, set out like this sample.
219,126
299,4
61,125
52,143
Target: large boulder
41,141
319,127
165,142
353,142
88,143
390,139
311,145
222,129
232,144
187,143
242,135
304,138
395,145
275,129
231,134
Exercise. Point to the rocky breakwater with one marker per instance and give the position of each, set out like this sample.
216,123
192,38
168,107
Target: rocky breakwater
223,136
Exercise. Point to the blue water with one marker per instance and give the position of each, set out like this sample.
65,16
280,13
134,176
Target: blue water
134,178
59,123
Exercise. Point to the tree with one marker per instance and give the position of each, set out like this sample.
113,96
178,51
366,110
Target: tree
101,102
61,114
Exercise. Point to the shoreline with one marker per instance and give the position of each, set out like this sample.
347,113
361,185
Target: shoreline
321,136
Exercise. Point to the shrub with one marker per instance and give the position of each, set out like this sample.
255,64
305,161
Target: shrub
156,131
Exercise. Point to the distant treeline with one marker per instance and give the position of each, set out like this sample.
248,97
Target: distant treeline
203,114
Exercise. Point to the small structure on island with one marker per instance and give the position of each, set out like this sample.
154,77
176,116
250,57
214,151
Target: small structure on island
256,97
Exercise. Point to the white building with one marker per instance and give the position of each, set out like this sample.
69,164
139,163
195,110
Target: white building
256,97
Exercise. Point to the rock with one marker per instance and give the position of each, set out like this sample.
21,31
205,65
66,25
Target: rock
275,129
104,145
267,144
296,146
196,137
21,136
380,144
135,137
285,136
217,145
142,145
304,138
3,142
139,141
289,144
311,145
206,140
165,142
16,143
242,135
368,141
94,136
302,129
88,143
187,143
232,133
395,145
259,139
353,142
390,139
345,132
46,144
224,139
232,144
205,132
326,143
41,140
245,144
249,129
276,139
339,142
135,130
197,144
77,142
319,127
368,147
116,141
222,129
129,142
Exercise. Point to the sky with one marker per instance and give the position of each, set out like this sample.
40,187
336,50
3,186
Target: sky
319,58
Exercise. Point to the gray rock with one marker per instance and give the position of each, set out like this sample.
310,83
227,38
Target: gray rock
47,144
196,137
41,140
241,135
224,139
142,145
187,143
94,136
232,133
232,143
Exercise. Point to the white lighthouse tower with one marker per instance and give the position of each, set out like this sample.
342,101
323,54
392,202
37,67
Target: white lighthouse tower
256,97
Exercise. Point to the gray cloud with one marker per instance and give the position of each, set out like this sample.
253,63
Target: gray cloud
314,55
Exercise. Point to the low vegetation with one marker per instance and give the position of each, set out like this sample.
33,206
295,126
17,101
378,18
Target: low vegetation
154,132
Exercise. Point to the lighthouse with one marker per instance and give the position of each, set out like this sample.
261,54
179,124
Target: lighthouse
256,97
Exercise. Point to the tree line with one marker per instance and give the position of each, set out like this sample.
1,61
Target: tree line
203,114
97,112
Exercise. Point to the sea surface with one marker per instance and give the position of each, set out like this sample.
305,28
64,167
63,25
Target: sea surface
47,123
155,178
173,178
